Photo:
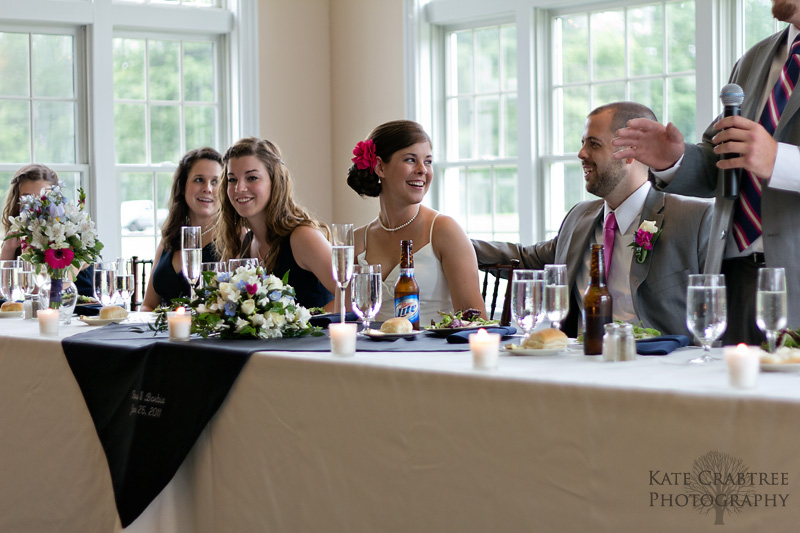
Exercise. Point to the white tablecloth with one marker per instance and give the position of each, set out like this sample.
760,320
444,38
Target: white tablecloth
410,442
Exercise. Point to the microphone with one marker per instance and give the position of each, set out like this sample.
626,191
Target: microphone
731,97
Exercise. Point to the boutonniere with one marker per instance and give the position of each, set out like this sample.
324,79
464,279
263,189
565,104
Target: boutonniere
646,236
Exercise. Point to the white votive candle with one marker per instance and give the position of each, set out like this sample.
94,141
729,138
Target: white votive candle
48,321
343,339
180,324
743,366
485,348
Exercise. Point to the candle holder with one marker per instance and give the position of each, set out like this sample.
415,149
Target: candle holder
343,339
180,324
485,348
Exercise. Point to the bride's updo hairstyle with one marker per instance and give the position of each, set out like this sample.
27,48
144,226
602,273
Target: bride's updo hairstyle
387,139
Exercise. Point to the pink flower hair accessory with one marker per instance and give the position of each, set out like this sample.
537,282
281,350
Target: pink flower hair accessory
364,153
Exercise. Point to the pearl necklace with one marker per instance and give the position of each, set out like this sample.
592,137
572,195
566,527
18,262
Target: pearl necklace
206,232
401,226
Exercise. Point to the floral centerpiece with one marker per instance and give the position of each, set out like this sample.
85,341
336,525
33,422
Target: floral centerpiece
56,234
247,303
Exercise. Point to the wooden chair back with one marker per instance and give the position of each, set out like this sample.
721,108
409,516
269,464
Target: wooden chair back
142,268
498,272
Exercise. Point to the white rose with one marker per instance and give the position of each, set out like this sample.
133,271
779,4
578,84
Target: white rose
274,283
649,226
248,306
241,324
258,320
277,319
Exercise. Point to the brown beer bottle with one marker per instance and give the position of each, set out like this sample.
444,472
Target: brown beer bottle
597,305
406,290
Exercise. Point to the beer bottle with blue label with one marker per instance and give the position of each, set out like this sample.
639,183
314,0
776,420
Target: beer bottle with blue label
406,290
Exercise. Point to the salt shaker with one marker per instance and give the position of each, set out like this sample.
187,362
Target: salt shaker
626,343
610,343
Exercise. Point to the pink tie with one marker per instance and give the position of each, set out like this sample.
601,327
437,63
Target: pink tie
609,227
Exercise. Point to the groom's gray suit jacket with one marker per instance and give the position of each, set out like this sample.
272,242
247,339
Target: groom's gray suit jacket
658,285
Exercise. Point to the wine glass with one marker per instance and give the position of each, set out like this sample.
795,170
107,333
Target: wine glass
125,286
212,266
245,262
191,253
527,288
365,294
105,281
342,258
706,311
556,293
771,304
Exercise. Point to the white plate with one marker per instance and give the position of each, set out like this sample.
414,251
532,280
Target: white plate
780,367
10,314
378,335
528,351
94,321
444,332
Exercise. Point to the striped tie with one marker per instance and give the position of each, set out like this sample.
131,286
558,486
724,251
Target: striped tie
747,213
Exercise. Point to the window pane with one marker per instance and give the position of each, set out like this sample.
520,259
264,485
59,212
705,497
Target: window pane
5,183
459,131
460,58
72,180
129,131
564,188
129,69
576,107
487,71
479,181
454,181
508,36
681,98
605,93
15,133
54,132
52,66
163,191
608,45
758,21
198,71
199,127
14,66
136,193
680,36
649,93
510,144
164,70
506,216
572,65
488,115
645,27
165,133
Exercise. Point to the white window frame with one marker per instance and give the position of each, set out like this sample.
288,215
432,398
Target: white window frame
717,38
96,23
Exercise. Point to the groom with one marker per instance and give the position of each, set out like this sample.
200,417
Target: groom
648,287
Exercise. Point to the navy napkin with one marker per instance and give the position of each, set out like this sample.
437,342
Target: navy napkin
661,345
88,309
462,337
323,320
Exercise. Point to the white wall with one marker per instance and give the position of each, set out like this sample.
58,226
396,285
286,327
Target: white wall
330,71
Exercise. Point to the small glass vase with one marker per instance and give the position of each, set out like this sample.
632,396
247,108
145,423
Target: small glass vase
62,294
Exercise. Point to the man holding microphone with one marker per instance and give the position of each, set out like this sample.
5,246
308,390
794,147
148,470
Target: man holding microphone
761,225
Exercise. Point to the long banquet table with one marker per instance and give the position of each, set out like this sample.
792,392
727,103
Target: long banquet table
390,441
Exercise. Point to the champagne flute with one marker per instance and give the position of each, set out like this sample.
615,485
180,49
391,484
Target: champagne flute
526,297
125,286
105,281
706,311
342,259
771,303
191,253
365,294
556,293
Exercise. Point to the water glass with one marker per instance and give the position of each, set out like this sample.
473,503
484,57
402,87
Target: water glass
105,281
191,253
771,303
527,294
8,279
556,293
212,266
706,311
246,262
365,293
342,256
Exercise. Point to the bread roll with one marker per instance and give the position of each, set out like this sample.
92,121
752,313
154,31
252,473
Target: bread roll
112,311
11,306
397,325
546,339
